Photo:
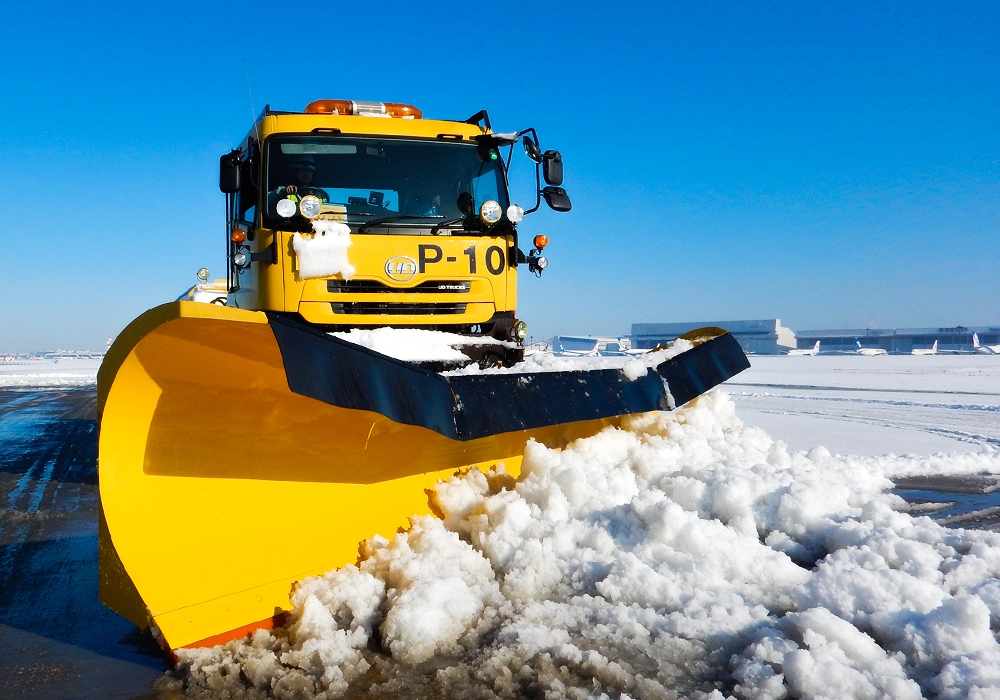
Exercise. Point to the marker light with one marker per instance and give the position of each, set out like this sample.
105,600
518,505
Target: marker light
203,274
515,213
490,212
285,208
541,241
520,330
369,109
239,235
310,206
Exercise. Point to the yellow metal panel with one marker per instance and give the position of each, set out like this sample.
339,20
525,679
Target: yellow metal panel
487,268
348,124
322,312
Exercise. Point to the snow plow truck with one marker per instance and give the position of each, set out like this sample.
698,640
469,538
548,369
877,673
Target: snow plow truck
244,446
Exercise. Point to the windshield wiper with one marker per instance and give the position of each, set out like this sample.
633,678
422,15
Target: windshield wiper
449,222
398,217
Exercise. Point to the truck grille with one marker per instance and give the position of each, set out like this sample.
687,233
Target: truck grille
376,287
376,308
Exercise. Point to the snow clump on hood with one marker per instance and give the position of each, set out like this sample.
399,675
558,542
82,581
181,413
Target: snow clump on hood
682,555
324,254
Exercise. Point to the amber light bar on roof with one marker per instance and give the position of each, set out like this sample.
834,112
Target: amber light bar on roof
368,109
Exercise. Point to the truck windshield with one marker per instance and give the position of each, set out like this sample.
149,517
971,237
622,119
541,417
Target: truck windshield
363,179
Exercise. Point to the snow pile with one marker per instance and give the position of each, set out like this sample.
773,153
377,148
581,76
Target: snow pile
67,372
413,344
416,345
683,555
631,367
324,254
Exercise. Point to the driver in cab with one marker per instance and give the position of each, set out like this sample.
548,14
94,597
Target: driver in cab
303,171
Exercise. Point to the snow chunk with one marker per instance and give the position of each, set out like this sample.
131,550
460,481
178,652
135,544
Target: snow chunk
415,345
438,590
324,254
631,367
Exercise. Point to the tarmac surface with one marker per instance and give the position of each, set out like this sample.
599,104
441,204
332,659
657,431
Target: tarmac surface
58,641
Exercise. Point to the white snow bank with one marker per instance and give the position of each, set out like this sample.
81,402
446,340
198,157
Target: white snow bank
413,344
324,254
683,555
49,373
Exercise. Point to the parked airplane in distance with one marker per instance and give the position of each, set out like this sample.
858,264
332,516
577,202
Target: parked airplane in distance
869,352
984,349
814,350
925,351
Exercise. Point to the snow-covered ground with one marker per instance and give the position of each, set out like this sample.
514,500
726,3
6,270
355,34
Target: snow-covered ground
49,373
687,554
874,405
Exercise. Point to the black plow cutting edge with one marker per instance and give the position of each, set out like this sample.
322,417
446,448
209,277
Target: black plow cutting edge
466,407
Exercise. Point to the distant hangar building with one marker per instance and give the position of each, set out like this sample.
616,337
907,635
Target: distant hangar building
763,337
899,340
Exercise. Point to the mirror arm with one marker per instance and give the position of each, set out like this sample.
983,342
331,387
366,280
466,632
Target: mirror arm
505,167
230,286
538,176
538,190
480,116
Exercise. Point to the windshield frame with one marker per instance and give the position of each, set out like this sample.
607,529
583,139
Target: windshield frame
406,223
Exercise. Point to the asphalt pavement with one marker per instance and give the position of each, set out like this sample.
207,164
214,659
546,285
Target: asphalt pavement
56,639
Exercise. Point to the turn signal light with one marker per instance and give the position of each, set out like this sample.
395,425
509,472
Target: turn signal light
239,235
370,109
541,241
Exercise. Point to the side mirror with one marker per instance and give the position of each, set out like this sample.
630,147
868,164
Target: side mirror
552,167
531,149
229,172
557,199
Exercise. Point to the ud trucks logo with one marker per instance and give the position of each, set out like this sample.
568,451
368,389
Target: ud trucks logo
401,268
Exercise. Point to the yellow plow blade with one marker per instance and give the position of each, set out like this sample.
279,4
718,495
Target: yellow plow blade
220,486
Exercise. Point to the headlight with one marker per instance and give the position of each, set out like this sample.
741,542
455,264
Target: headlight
240,260
310,206
285,208
515,213
541,262
490,212
203,274
520,330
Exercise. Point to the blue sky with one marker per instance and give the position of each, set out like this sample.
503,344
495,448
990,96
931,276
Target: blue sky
834,165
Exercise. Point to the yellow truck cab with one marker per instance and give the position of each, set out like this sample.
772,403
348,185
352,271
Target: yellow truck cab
428,229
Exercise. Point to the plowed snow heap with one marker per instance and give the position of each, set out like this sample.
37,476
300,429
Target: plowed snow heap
216,420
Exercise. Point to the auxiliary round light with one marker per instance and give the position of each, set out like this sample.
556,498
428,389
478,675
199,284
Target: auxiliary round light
239,235
490,212
520,330
203,274
240,260
515,213
541,240
541,262
285,208
310,206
